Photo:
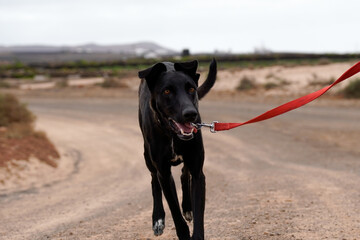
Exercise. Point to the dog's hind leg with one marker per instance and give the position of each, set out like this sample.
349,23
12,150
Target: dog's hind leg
158,216
186,198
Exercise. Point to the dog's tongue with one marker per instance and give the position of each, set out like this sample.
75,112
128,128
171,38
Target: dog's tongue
186,127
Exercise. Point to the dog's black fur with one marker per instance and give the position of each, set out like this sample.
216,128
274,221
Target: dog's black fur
168,104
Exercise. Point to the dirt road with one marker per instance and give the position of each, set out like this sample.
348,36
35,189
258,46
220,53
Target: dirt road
292,177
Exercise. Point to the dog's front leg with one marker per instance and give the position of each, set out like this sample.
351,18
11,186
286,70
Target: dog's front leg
158,216
168,186
186,202
198,204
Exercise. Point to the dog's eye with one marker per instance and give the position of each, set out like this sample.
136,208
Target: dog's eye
166,91
191,90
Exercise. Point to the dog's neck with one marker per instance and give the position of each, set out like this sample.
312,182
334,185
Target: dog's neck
159,121
154,111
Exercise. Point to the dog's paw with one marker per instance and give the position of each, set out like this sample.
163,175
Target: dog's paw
188,216
158,227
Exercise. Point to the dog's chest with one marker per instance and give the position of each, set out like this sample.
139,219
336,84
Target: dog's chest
176,158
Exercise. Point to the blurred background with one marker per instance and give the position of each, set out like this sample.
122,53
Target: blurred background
201,26
62,41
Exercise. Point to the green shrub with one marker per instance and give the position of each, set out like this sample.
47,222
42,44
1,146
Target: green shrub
353,89
62,83
270,75
4,84
246,83
113,83
13,112
270,85
322,83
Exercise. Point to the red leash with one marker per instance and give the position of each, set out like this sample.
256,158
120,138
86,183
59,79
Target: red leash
216,126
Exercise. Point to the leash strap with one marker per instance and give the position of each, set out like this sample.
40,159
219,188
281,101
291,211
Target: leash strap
290,105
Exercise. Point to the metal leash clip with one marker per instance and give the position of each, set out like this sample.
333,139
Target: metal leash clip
209,125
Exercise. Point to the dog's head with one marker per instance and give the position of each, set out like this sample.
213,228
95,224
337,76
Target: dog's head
174,98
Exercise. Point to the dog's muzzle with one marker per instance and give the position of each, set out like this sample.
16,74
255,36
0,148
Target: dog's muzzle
185,131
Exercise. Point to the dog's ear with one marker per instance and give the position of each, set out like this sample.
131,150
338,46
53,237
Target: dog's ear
150,74
189,68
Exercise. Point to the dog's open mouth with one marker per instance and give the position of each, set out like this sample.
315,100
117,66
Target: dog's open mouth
185,131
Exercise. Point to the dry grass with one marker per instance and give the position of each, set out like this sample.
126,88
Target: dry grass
113,83
13,113
18,138
353,89
246,83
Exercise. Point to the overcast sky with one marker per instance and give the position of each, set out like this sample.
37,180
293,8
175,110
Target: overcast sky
200,25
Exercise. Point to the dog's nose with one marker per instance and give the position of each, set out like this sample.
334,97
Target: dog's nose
190,115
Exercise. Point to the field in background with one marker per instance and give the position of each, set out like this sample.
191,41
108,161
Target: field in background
267,74
119,68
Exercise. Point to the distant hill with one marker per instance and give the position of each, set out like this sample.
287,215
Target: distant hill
91,52
136,48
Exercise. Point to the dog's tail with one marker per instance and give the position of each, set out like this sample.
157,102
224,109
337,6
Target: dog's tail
210,80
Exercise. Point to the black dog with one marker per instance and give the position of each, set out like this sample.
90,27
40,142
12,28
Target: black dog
168,110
